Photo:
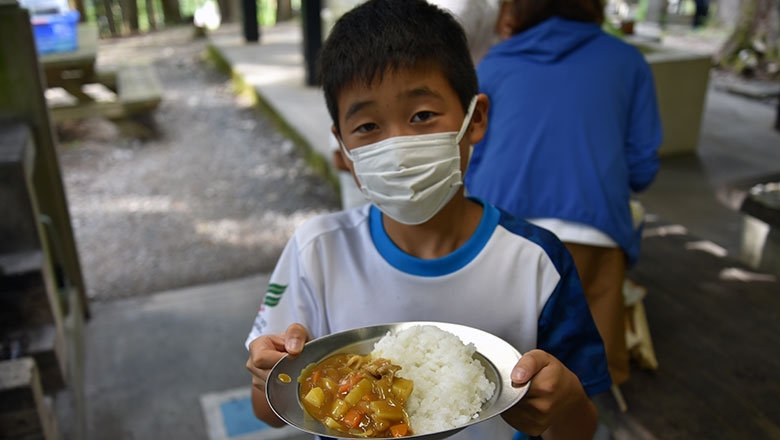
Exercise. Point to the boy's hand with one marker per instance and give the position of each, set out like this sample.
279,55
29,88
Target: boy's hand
266,350
556,403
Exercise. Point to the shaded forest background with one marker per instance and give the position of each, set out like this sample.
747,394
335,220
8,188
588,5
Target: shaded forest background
753,48
127,17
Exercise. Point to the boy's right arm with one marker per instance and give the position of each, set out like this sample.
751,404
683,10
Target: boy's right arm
264,352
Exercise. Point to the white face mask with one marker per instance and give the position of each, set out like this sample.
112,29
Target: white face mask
410,178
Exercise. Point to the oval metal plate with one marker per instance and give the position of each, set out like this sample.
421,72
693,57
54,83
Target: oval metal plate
496,355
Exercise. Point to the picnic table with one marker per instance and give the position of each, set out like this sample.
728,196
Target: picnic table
136,86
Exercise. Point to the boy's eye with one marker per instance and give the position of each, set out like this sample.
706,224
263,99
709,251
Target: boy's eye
423,116
365,128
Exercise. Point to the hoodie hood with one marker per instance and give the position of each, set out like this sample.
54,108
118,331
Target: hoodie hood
549,41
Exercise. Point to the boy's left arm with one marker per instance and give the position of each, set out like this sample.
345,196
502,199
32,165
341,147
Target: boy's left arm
556,404
568,366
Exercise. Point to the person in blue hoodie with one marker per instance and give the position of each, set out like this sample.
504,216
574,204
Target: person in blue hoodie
574,130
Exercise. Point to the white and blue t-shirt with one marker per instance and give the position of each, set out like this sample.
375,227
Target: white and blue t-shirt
512,279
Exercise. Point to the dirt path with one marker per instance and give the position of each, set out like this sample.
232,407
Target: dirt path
215,196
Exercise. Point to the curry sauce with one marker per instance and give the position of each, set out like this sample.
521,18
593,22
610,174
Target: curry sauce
357,395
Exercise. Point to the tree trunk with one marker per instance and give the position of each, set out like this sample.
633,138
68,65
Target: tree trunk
79,6
108,12
130,15
755,42
226,11
284,10
171,11
150,14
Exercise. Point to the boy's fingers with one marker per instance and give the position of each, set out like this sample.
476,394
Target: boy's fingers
528,365
265,360
294,338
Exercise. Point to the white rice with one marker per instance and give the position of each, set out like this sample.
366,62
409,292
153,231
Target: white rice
449,386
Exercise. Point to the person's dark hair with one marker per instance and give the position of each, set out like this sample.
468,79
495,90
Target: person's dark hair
529,13
382,35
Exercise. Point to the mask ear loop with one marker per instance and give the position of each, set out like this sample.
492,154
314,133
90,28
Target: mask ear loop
344,149
466,123
466,120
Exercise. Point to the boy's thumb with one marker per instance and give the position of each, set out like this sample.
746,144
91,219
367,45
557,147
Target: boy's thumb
528,366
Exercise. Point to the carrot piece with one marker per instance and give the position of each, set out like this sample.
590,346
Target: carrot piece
399,430
349,383
352,418
315,376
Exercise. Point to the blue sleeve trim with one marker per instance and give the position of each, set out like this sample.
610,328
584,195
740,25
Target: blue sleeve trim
439,266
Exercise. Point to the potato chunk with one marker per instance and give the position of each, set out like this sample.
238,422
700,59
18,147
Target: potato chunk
381,409
402,388
316,397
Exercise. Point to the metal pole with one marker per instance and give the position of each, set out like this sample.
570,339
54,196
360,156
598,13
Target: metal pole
312,38
251,27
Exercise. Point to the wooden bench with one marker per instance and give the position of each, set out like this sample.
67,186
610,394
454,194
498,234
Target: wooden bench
138,91
760,241
139,88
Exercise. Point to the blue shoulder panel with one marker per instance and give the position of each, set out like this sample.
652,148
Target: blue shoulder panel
566,328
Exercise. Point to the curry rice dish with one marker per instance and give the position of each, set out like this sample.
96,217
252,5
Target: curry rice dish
421,380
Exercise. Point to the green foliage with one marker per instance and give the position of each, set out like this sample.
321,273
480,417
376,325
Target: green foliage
641,10
609,28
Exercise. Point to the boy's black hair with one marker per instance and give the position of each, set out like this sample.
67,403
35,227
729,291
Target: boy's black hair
382,35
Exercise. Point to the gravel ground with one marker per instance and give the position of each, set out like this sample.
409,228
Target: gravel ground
214,195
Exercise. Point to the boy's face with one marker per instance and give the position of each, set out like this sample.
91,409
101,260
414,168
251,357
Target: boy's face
406,102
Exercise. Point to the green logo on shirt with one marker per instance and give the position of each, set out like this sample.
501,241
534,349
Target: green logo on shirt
274,294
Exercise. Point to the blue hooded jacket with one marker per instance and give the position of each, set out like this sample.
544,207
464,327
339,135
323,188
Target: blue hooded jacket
573,128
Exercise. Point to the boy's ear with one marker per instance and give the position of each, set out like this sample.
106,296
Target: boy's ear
339,160
335,132
479,119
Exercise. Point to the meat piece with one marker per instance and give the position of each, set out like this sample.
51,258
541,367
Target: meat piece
381,367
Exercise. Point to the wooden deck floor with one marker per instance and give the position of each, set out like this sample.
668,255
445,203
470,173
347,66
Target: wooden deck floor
718,346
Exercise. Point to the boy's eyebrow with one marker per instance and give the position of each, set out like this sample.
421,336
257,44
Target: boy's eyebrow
356,107
421,92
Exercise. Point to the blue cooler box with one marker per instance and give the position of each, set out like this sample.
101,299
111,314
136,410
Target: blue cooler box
56,32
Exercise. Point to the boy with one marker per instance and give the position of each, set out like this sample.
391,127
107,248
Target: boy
402,92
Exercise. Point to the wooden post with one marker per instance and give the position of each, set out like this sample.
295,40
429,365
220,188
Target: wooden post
777,116
312,38
21,98
251,27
